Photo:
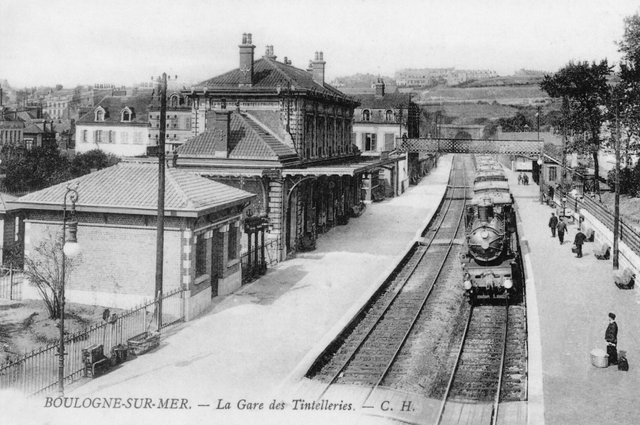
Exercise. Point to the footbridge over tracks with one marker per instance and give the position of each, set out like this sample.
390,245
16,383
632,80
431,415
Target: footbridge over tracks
529,148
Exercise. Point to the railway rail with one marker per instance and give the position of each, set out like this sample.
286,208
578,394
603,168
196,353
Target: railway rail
490,366
370,350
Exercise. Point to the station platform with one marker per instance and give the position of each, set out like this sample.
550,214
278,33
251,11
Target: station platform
257,340
573,297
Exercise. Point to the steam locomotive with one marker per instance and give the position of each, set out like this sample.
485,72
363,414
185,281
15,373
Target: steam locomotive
490,256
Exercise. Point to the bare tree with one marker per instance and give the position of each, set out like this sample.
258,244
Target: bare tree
43,269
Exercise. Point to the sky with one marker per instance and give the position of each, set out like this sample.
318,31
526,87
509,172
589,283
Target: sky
123,42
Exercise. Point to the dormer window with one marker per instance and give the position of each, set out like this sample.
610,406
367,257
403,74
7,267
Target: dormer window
389,115
126,115
366,115
100,113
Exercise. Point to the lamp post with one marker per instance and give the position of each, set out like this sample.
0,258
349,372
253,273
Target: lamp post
541,178
538,121
70,249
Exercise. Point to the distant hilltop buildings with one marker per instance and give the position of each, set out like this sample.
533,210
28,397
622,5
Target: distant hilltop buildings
433,76
530,73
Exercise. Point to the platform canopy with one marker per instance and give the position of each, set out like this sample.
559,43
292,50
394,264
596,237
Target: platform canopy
476,146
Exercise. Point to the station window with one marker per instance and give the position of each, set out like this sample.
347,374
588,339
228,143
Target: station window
201,255
553,174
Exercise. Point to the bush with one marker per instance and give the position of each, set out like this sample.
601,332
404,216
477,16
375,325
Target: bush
94,159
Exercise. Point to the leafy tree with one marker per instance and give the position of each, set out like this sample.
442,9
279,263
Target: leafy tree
517,123
584,89
94,159
629,46
629,88
34,169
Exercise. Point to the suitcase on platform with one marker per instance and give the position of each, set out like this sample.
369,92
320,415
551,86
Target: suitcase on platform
623,364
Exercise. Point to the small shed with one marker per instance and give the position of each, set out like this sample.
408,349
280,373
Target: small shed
116,213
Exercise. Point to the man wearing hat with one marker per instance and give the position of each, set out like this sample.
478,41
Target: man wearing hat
611,336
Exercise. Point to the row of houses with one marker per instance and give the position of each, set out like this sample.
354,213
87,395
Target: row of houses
266,148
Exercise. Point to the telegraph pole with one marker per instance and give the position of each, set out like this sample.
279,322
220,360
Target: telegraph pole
161,184
616,209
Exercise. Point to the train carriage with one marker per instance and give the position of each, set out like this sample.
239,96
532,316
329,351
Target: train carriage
490,175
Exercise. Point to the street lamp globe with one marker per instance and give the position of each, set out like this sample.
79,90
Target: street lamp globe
71,249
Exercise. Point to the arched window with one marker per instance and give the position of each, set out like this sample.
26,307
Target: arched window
366,115
99,114
126,115
389,115
173,101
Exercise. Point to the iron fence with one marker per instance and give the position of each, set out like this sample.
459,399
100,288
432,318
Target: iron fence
628,235
10,283
37,372
252,269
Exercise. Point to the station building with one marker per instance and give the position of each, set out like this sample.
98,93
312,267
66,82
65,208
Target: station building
282,133
116,213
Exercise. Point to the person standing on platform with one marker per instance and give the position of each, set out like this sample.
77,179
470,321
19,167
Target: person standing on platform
578,241
525,180
520,178
553,223
561,228
611,336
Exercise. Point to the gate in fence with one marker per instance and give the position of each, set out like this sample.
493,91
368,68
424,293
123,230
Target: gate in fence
10,284
37,372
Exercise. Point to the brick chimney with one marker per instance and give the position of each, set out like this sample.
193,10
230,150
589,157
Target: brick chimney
317,66
379,88
269,53
220,124
246,61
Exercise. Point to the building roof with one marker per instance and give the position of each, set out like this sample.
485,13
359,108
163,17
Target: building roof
4,207
388,101
132,188
113,105
248,140
271,74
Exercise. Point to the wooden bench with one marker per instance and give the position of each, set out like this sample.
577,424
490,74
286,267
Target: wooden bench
95,362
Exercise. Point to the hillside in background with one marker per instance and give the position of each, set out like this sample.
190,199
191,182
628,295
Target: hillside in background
529,94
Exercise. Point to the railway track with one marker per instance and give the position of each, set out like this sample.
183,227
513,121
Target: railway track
490,366
371,348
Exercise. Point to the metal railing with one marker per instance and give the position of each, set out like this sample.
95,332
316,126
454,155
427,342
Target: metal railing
10,283
37,372
628,235
251,269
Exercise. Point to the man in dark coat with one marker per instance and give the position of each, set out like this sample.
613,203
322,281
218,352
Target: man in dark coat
561,228
578,241
553,223
611,336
